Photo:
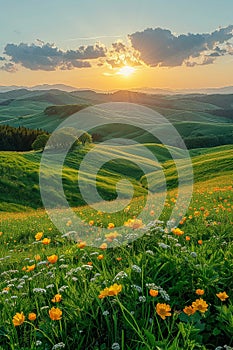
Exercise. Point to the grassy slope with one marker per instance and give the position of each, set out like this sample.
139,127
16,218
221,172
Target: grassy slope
19,173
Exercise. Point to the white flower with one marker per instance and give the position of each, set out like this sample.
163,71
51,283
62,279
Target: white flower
115,346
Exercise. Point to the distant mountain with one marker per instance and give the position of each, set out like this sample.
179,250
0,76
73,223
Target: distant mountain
146,90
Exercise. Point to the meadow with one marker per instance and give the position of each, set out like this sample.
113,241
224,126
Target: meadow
168,290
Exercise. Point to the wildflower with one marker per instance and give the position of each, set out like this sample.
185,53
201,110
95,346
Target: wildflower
142,299
52,258
136,268
163,310
32,316
200,291
90,263
55,314
18,319
115,346
37,257
200,241
119,258
177,231
69,223
100,257
103,246
58,346
57,298
187,238
111,236
91,222
38,236
113,290
82,244
111,225
153,292
30,268
46,241
134,223
189,310
200,305
222,296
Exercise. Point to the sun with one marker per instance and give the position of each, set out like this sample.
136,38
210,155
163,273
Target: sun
126,71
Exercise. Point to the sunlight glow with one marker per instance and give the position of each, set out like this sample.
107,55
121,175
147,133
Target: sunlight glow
126,71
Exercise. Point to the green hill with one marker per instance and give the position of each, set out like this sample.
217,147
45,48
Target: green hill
19,188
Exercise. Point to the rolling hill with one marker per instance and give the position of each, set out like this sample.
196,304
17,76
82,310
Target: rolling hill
19,184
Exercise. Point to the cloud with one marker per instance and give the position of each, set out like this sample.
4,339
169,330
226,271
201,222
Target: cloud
120,54
160,47
9,67
47,57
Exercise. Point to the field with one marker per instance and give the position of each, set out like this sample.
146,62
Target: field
127,279
57,288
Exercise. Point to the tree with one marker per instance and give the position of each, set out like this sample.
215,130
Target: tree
40,142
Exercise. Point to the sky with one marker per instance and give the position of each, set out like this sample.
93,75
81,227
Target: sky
106,45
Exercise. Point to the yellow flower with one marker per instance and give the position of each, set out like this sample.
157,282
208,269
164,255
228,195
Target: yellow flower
69,223
222,296
163,310
52,258
134,223
18,319
38,236
91,222
189,310
57,298
30,268
32,316
46,241
100,257
110,291
37,257
111,236
111,225
200,305
200,291
55,314
103,246
153,292
82,244
177,231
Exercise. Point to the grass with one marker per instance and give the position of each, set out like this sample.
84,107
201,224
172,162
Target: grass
174,265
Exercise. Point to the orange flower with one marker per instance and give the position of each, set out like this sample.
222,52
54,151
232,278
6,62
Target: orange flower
177,231
200,305
52,258
103,246
187,238
222,296
55,314
200,241
91,222
30,268
111,236
119,258
189,310
69,223
163,310
82,244
100,257
89,263
153,292
57,298
110,291
32,316
18,319
200,291
37,257
134,223
111,225
46,241
38,236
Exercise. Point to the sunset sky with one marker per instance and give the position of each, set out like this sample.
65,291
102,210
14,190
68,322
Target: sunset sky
102,44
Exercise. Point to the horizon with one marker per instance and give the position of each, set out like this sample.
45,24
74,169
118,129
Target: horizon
120,46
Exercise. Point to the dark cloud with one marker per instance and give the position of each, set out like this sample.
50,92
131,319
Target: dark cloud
120,54
159,47
48,57
9,67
